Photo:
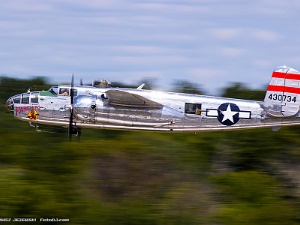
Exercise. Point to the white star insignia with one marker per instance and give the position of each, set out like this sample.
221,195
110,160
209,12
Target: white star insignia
228,114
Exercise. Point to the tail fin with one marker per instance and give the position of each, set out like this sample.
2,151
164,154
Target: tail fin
283,95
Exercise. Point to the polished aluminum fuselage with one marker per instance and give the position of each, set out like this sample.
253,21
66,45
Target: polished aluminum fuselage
138,109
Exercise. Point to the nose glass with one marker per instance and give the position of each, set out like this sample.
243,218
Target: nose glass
10,105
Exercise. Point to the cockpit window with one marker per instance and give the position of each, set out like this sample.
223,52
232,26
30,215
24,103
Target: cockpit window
64,92
25,99
17,99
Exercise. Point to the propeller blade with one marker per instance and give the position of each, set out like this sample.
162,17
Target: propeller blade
78,133
71,124
71,109
73,129
72,90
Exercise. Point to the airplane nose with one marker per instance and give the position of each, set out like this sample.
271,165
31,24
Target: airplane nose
10,105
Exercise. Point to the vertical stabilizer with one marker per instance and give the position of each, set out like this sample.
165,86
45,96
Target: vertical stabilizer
283,95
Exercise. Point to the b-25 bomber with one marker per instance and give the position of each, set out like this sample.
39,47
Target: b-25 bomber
105,107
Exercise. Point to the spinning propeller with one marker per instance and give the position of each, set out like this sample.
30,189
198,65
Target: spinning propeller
73,129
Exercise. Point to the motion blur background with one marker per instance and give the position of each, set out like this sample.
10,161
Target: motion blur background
212,42
122,177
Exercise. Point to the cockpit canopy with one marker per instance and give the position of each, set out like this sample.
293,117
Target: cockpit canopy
101,83
54,90
63,90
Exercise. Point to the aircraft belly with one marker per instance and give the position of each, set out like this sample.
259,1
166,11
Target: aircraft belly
131,117
152,120
54,115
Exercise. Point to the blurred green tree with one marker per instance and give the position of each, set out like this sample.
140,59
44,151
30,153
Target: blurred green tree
109,177
183,86
241,91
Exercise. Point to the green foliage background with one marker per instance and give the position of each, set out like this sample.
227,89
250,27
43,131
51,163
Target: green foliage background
122,177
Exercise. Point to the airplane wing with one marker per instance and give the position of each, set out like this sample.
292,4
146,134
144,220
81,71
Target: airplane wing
122,98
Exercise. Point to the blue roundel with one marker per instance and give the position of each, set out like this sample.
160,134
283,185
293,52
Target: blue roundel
228,114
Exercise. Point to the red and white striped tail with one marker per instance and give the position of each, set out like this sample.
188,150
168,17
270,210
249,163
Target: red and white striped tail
282,97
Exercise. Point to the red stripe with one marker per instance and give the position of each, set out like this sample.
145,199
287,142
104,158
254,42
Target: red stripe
278,75
290,76
284,89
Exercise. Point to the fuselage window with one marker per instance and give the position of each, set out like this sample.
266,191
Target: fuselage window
25,99
34,99
192,108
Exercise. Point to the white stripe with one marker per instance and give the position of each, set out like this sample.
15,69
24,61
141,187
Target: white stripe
291,83
277,81
245,115
284,82
212,112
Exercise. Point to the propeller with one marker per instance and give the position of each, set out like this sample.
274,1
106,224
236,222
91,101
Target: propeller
72,128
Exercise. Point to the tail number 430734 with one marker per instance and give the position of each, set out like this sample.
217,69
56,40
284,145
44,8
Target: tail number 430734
282,98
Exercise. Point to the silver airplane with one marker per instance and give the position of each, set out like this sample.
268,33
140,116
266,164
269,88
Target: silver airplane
101,106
